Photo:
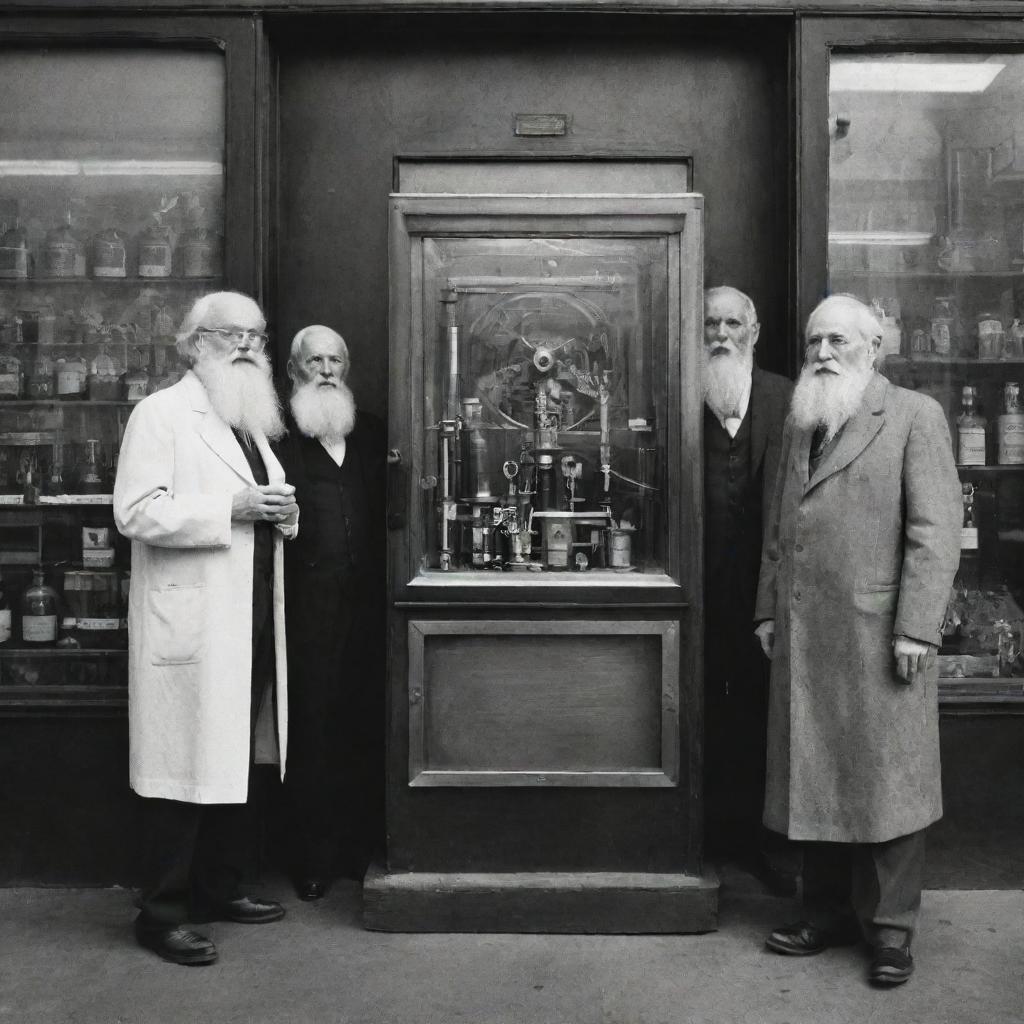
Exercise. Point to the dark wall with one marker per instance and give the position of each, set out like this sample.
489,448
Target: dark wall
356,93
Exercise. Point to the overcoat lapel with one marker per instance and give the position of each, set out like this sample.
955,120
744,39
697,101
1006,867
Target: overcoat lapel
856,435
214,431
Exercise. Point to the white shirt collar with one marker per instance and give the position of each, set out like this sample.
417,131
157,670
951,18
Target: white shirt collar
744,405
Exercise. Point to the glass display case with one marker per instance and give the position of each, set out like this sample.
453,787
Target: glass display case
112,171
546,421
926,224
545,416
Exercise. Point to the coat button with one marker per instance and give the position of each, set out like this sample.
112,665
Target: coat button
799,547
796,595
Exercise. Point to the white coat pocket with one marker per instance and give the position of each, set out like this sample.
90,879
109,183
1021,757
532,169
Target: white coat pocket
176,613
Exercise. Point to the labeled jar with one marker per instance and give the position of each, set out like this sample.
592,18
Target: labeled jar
14,255
109,254
1011,427
39,605
155,252
200,256
62,255
990,337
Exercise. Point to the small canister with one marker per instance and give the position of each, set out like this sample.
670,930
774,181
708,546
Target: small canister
109,254
620,549
199,255
62,255
990,337
155,252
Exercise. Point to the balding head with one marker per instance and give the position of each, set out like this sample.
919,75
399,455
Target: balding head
317,337
217,309
849,311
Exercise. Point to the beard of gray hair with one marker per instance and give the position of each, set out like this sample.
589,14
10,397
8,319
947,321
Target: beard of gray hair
725,379
828,400
242,394
328,414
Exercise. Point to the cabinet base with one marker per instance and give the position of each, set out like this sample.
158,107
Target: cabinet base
558,902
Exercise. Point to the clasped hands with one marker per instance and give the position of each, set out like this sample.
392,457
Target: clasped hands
271,503
913,657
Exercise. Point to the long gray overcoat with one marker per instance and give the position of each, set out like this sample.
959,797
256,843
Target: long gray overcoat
864,550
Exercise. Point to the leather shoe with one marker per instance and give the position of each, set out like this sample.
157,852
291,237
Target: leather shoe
310,889
806,939
245,910
178,945
891,965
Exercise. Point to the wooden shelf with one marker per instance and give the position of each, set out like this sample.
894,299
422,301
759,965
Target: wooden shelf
960,690
62,652
21,282
927,275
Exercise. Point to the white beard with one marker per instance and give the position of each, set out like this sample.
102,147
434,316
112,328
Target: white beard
725,380
328,414
242,394
828,399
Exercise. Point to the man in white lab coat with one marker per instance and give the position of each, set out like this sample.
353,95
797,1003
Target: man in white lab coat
206,505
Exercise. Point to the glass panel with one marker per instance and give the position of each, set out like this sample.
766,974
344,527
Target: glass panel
111,223
926,223
545,421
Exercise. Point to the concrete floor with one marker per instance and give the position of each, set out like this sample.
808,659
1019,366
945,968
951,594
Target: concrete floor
69,956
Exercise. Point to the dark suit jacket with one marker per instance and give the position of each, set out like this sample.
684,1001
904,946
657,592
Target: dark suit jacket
767,411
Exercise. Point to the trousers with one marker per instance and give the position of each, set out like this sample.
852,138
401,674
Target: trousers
194,856
878,883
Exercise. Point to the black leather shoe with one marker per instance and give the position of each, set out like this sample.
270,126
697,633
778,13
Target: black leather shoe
310,889
806,939
178,945
245,910
891,965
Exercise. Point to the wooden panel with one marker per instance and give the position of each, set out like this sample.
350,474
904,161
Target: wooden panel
520,703
533,176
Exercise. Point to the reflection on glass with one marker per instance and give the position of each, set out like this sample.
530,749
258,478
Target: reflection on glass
541,405
926,224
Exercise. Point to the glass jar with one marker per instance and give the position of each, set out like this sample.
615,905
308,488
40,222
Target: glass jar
1013,343
104,380
14,255
136,379
11,379
990,337
40,382
39,604
943,325
155,252
109,254
70,377
62,255
200,253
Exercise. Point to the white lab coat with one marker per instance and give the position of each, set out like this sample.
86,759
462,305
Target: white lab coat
190,603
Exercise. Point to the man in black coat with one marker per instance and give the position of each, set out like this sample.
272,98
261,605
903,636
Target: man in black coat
744,412
334,601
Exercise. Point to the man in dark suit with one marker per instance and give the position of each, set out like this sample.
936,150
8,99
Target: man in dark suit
744,412
334,584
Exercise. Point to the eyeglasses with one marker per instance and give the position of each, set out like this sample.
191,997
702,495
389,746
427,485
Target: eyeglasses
256,340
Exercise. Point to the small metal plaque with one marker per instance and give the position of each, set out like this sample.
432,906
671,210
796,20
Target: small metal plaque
541,124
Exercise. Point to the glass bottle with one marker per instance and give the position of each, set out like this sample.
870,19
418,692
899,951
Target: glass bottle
990,337
89,480
1011,427
67,637
969,530
40,381
11,380
14,254
5,614
943,325
970,430
39,611
200,253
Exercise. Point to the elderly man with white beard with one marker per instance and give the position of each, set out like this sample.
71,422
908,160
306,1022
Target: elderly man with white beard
206,506
859,559
744,411
334,582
